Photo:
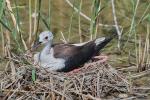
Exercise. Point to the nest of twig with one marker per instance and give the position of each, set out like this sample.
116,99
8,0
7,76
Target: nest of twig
94,80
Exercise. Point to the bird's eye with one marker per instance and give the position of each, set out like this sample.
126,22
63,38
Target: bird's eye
46,37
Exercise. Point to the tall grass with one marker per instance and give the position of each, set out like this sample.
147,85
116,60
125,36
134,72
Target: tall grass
49,14
2,6
20,40
143,55
30,21
70,26
79,19
96,8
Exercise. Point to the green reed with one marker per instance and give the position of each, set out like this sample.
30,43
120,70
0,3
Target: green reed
96,8
79,20
21,39
2,6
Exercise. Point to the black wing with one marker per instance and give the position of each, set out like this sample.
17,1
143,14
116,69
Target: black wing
74,55
65,50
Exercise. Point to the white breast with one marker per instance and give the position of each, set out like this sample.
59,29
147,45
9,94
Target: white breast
48,61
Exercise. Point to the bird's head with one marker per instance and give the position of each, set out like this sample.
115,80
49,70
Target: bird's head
44,38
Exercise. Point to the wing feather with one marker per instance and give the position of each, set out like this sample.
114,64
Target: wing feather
66,51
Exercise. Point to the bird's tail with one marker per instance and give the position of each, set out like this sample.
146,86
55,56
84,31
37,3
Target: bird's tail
102,42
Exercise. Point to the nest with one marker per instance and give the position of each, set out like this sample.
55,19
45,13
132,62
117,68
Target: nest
93,81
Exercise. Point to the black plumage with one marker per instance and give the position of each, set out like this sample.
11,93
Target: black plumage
75,56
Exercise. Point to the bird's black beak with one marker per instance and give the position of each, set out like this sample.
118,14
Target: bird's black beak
35,45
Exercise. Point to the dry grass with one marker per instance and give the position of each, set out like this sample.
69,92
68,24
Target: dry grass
93,81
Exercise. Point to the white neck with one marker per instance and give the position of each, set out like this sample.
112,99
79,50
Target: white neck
47,60
47,48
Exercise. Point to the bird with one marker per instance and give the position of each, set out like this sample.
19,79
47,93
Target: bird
65,57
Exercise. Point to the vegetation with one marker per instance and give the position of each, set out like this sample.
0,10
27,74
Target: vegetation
76,21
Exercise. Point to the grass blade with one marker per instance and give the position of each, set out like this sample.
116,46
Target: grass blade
2,6
4,25
33,75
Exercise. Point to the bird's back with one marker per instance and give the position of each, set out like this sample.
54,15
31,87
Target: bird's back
74,55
